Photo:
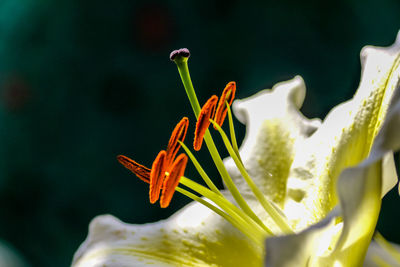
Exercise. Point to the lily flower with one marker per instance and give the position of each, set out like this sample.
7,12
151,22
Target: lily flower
299,192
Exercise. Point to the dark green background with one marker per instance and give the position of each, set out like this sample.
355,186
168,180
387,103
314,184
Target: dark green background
84,81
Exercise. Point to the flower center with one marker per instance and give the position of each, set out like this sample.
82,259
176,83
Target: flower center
167,172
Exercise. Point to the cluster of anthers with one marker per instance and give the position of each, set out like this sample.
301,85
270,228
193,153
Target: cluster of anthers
167,171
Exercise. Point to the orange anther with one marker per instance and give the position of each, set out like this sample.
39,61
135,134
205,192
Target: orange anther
157,175
142,172
227,96
207,112
172,180
178,133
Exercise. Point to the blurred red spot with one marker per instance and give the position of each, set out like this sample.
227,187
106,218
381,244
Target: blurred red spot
153,27
15,93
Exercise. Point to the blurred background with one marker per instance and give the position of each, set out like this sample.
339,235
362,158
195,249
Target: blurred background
84,81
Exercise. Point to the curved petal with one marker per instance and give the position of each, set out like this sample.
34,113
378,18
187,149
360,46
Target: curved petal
195,236
344,139
299,249
10,257
386,254
360,190
274,126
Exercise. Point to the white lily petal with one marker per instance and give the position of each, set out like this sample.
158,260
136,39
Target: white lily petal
360,196
298,249
195,236
376,254
360,190
274,125
389,174
344,138
9,257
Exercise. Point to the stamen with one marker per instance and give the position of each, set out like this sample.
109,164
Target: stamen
142,172
157,175
178,134
207,112
187,83
172,180
227,96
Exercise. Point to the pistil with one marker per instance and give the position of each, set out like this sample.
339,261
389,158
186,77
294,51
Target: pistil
180,57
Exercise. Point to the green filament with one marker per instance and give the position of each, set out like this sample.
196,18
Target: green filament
226,205
232,131
234,221
269,208
387,246
199,169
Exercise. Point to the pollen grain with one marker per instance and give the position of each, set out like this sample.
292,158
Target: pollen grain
142,172
228,94
172,180
178,134
207,112
157,175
